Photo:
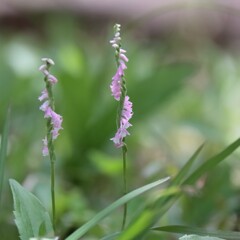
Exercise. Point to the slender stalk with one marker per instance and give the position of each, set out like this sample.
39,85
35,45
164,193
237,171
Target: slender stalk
52,163
124,152
3,150
51,153
124,155
53,194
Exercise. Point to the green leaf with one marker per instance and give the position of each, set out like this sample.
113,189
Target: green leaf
105,212
3,150
31,216
195,237
212,162
186,168
229,235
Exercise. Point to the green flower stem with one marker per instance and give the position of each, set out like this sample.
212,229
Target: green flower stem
124,154
51,150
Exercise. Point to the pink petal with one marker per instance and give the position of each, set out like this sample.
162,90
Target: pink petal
44,106
44,95
52,79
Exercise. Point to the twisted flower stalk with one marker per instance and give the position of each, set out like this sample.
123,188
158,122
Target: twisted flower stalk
119,92
54,124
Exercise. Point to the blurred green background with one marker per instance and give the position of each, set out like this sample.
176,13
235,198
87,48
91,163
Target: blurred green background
182,77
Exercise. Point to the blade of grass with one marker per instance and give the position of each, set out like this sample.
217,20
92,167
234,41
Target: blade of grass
105,212
179,178
186,168
212,162
3,150
229,235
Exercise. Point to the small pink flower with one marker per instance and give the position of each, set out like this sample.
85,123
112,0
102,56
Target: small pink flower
44,106
123,67
123,57
56,120
43,69
44,95
48,112
52,79
55,133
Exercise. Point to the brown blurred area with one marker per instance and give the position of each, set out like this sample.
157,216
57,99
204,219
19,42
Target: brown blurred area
219,19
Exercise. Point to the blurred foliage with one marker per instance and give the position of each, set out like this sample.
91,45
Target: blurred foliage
182,94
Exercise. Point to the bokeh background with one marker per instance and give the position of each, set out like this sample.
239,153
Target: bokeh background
183,78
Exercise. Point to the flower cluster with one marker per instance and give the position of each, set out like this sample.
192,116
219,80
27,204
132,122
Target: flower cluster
121,62
47,105
118,90
124,123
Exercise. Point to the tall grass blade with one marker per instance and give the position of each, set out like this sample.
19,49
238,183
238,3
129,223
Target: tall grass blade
3,150
212,162
186,168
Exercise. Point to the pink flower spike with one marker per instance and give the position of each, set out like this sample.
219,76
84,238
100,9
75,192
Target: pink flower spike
127,109
126,115
44,95
45,151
